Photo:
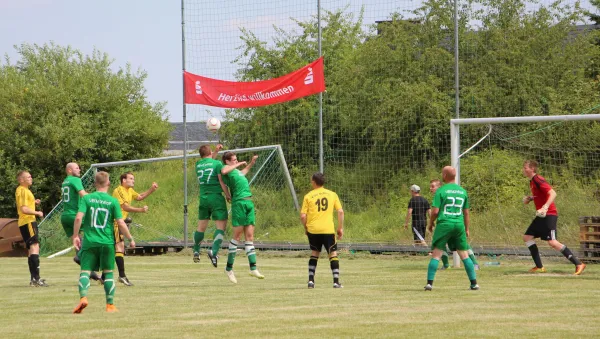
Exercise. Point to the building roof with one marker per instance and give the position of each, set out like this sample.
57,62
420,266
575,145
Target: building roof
197,136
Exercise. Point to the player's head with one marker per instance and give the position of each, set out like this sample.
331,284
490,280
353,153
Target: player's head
448,174
229,158
127,179
317,180
205,151
101,180
24,178
530,168
434,184
415,190
73,169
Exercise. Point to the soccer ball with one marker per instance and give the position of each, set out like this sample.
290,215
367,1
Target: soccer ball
213,124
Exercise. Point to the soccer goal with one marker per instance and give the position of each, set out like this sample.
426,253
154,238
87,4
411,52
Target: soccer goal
490,168
270,182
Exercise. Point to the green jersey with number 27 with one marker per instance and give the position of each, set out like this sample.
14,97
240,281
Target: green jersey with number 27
207,171
101,210
70,194
451,199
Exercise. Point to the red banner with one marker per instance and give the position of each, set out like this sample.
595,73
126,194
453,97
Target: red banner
306,81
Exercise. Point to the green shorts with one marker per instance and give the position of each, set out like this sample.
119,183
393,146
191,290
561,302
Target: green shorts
212,205
242,213
97,257
67,221
452,234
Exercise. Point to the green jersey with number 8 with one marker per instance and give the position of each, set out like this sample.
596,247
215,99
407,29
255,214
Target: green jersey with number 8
451,199
101,210
207,171
70,194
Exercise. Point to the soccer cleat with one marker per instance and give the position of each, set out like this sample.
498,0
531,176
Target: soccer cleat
579,269
94,276
110,308
125,281
474,287
443,268
537,270
42,283
256,274
196,257
337,285
311,284
213,258
231,276
83,302
428,287
476,267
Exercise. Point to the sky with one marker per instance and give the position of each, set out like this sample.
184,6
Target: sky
147,34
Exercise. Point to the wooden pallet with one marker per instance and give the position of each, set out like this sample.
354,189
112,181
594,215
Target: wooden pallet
589,237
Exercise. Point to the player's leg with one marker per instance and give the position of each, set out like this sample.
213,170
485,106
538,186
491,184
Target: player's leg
238,230
531,233
249,220
204,212
334,263
445,261
459,239
438,244
315,243
220,217
89,261
29,232
67,221
107,265
551,221
120,260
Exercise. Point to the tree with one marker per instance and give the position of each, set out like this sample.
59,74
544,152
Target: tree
58,105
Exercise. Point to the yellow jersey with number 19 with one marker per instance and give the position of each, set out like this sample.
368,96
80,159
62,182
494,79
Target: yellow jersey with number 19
318,205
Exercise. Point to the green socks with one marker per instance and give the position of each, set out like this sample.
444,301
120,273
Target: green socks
432,268
231,254
198,236
445,260
109,287
472,257
84,284
218,240
251,254
470,268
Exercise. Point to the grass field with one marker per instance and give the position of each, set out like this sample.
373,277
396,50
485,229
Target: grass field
382,297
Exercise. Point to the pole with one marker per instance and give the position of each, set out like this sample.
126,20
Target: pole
456,133
185,136
321,161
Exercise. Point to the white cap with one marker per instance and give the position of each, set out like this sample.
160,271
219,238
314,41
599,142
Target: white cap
415,188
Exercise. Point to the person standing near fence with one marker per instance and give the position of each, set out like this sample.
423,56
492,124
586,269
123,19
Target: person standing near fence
28,226
211,203
451,210
543,225
125,194
243,214
418,210
317,217
72,189
97,212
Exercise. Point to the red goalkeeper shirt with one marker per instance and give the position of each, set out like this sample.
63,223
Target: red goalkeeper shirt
539,189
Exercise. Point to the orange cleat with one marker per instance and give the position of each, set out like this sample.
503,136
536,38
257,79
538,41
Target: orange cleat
83,302
110,308
579,269
537,270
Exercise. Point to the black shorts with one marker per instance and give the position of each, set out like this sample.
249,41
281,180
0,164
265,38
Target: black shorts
29,232
317,241
543,228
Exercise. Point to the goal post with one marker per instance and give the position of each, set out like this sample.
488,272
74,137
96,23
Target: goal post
269,180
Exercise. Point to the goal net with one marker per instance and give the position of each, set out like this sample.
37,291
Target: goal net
269,179
568,157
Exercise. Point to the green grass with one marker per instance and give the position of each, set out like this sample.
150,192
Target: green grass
382,297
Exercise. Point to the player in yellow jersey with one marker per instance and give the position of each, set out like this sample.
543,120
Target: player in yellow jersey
126,194
317,217
28,225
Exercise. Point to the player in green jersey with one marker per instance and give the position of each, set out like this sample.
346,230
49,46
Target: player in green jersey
433,186
72,189
212,204
451,209
242,212
96,212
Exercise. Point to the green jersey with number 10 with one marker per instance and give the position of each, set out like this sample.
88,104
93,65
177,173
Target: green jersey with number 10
207,171
451,199
70,194
101,210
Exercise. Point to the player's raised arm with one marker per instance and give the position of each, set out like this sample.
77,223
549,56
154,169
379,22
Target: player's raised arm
228,168
216,152
151,190
247,168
